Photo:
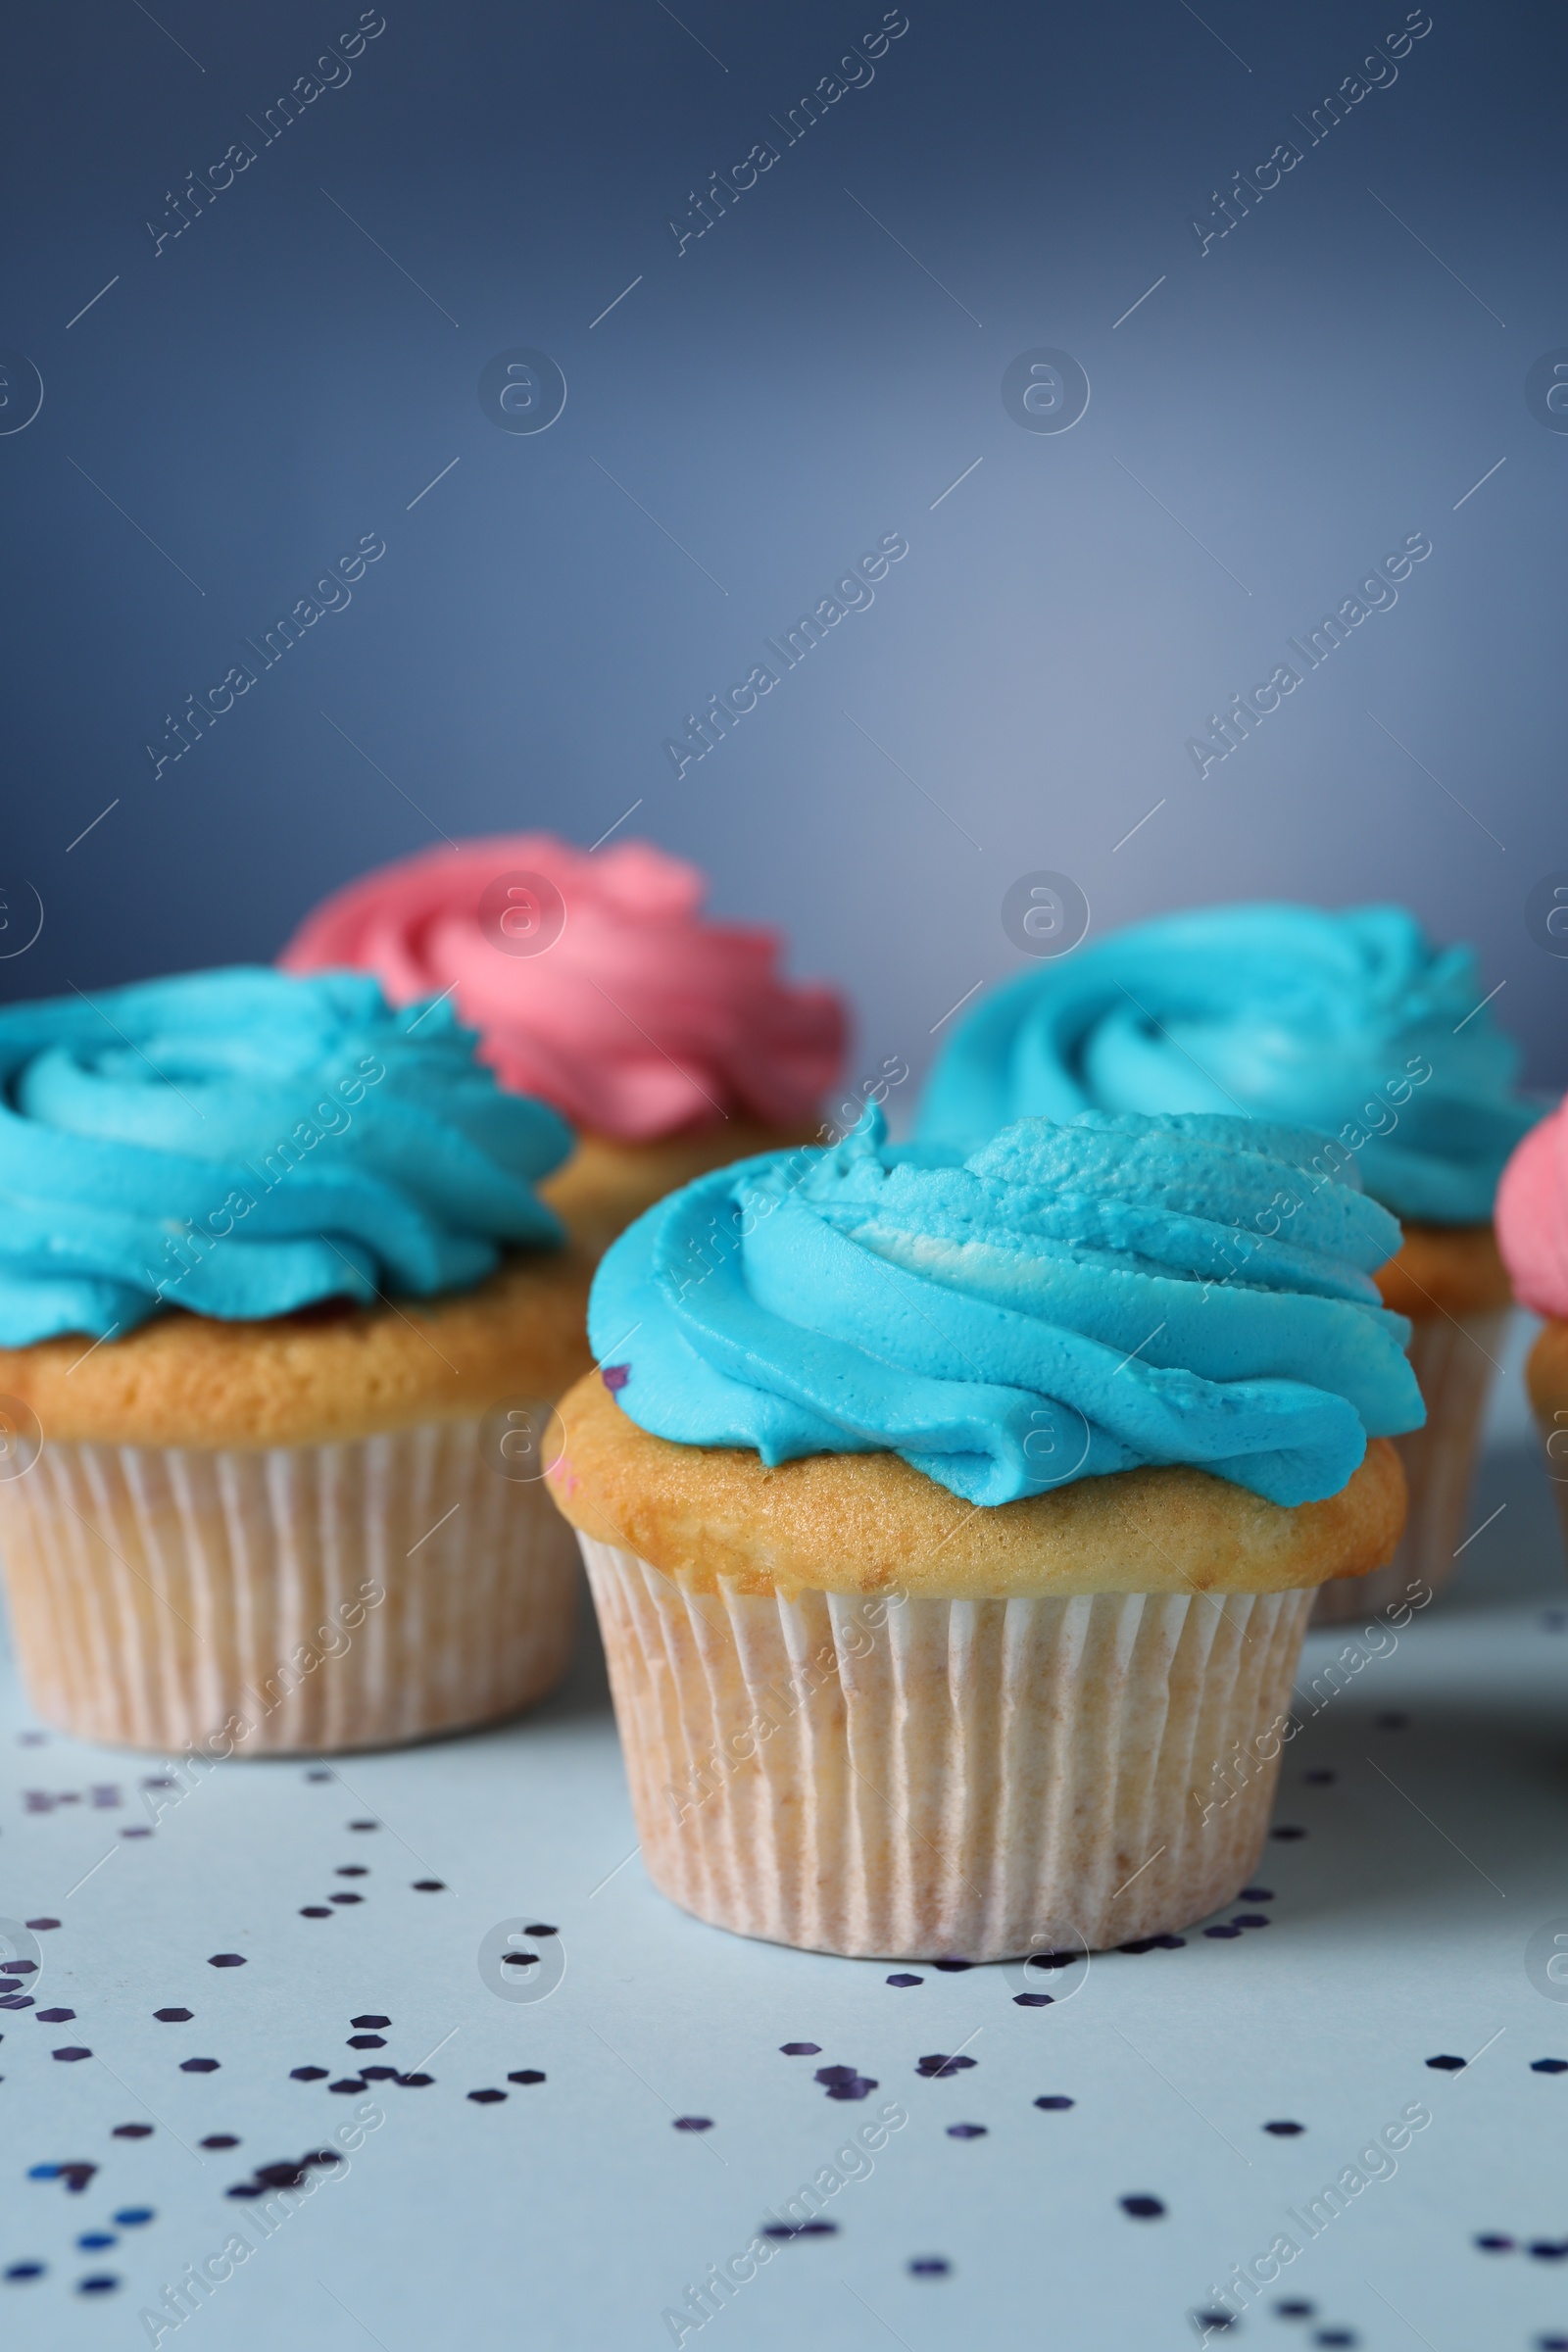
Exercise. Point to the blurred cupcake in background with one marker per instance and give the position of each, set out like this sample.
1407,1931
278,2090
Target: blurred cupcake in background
1350,1024
672,1044
952,1525
281,1317
1533,1236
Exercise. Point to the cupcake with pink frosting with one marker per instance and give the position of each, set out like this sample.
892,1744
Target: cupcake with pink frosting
1533,1236
672,1044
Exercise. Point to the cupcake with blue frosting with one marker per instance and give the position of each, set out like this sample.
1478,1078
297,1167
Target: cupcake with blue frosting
281,1316
953,1520
1353,1024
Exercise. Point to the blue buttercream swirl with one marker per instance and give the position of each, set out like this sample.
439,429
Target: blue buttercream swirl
1351,1023
1070,1300
242,1143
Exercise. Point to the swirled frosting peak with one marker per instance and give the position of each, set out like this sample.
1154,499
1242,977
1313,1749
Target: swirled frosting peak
1069,1301
241,1143
1533,1217
637,1020
1351,1023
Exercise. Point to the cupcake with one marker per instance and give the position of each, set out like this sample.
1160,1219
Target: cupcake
952,1522
671,1043
1533,1236
1350,1024
281,1319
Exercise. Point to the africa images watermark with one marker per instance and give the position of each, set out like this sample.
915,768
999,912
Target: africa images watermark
1377,2161
794,2217
271,2204
331,74
333,1640
1380,1112
775,1707
1229,1777
331,595
726,1233
1230,728
1377,72
851,594
855,73
186,1248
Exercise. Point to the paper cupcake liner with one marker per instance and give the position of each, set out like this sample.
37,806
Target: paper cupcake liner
928,1779
1453,1359
285,1600
1549,1397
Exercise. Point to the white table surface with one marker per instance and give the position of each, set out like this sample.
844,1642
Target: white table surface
573,2213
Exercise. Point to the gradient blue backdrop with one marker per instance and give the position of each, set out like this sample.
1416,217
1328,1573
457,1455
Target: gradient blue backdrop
811,375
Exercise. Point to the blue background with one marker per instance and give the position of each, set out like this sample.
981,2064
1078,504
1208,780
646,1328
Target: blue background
269,386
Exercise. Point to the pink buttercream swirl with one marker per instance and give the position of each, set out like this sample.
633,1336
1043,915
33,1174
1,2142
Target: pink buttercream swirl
639,1021
1532,1216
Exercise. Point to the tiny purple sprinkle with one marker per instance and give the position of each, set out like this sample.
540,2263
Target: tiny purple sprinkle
616,1376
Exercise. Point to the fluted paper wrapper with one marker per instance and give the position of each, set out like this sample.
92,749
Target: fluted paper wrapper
970,1780
319,1598
1550,1402
1453,1359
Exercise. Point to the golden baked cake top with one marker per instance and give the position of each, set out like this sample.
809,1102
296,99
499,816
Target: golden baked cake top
1446,1270
868,1523
321,1375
